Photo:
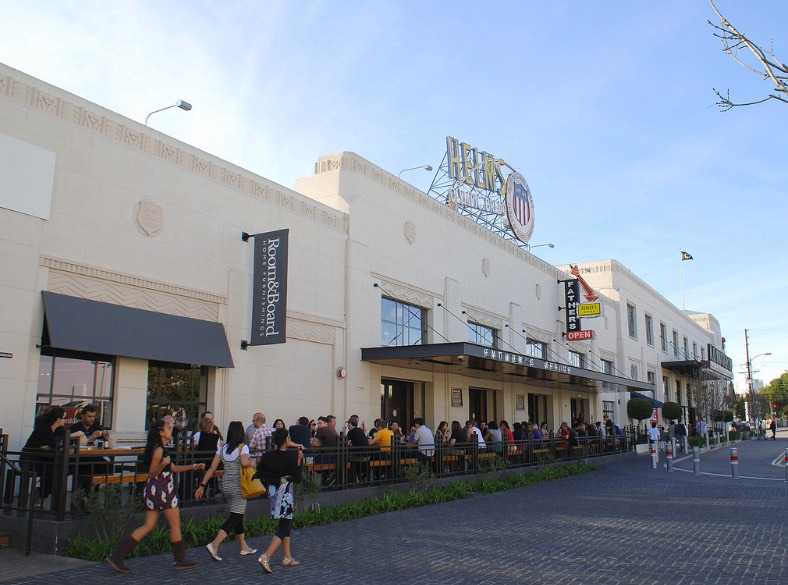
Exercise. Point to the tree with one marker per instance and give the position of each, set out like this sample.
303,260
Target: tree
671,411
776,393
639,408
752,57
740,409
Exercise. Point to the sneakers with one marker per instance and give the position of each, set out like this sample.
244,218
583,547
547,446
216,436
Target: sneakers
213,552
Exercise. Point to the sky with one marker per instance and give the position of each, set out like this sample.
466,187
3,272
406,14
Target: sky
607,109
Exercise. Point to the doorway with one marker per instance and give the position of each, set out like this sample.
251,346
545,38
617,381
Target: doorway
396,402
580,410
482,404
537,408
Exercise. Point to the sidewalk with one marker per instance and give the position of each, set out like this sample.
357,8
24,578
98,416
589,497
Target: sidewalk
14,565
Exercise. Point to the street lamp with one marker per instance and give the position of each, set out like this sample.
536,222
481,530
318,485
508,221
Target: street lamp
749,379
183,105
427,168
548,244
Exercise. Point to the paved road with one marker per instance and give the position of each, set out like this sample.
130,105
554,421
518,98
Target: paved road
755,459
622,524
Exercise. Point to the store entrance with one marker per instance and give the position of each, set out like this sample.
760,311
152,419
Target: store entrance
396,402
580,410
482,404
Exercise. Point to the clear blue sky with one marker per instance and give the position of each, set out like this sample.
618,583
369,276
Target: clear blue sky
606,107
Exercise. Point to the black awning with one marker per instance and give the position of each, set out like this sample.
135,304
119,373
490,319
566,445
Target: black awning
698,368
78,324
479,361
654,402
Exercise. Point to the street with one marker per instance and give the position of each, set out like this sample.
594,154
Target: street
621,524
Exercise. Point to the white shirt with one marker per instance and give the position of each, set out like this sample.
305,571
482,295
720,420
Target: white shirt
479,438
241,450
425,440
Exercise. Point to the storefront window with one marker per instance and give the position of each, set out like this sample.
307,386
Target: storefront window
481,335
402,324
576,359
609,409
74,380
179,390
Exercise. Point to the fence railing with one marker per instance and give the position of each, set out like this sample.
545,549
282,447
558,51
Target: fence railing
69,481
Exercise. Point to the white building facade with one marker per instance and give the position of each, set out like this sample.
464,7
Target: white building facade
126,283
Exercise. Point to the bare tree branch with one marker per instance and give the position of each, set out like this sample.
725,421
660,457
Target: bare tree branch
766,67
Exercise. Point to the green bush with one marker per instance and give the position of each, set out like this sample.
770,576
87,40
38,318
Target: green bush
671,411
697,441
201,532
639,408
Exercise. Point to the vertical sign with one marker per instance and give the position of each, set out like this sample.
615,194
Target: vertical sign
571,296
269,296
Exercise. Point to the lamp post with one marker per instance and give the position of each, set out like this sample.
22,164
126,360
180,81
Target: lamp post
749,370
183,105
547,244
427,168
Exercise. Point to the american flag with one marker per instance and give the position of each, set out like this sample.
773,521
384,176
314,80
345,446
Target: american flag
520,204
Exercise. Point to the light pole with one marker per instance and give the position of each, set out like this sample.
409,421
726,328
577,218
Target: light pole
749,370
427,168
183,105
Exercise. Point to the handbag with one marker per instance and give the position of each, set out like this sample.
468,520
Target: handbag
251,486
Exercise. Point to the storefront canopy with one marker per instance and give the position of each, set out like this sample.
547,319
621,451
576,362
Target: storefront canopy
75,324
478,361
654,402
702,369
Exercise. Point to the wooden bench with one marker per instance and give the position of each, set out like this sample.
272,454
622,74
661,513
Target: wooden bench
128,478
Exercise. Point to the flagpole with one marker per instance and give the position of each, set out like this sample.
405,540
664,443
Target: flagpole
681,285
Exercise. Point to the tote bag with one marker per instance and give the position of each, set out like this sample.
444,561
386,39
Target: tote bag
251,487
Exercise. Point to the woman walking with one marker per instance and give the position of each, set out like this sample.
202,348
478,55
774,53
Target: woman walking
279,470
234,455
160,497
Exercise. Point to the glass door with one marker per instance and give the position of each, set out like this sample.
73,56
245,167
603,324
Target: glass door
396,402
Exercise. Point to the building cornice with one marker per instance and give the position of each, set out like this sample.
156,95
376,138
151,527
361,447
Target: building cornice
36,95
353,163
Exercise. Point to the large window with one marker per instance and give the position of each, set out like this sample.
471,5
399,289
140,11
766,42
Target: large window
650,330
651,377
73,380
609,409
177,389
607,368
678,391
632,323
686,348
402,324
694,350
482,335
576,359
675,344
663,337
633,371
537,349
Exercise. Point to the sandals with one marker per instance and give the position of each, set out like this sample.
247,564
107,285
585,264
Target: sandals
291,562
248,551
265,564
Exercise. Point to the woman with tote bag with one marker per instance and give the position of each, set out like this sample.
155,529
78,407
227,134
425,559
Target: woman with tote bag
235,457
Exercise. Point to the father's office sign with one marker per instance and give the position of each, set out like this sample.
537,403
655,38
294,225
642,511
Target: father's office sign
269,295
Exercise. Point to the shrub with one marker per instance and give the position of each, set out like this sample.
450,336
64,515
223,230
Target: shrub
639,408
671,411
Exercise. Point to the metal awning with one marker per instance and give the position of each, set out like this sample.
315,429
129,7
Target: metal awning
75,324
480,361
698,368
654,402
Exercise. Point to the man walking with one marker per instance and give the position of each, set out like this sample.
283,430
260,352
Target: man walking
773,428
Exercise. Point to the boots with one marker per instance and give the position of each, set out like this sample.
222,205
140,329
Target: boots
179,552
123,550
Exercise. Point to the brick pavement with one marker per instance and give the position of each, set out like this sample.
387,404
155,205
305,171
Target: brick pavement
622,524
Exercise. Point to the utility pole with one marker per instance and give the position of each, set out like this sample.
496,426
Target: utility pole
749,373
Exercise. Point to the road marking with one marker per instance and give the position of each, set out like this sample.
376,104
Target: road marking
728,475
778,460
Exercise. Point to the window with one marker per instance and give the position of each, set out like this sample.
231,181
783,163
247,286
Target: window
675,343
536,348
607,368
482,335
651,377
402,324
663,337
177,389
633,371
694,350
666,387
576,359
678,391
686,349
74,380
702,354
649,330
608,409
632,321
